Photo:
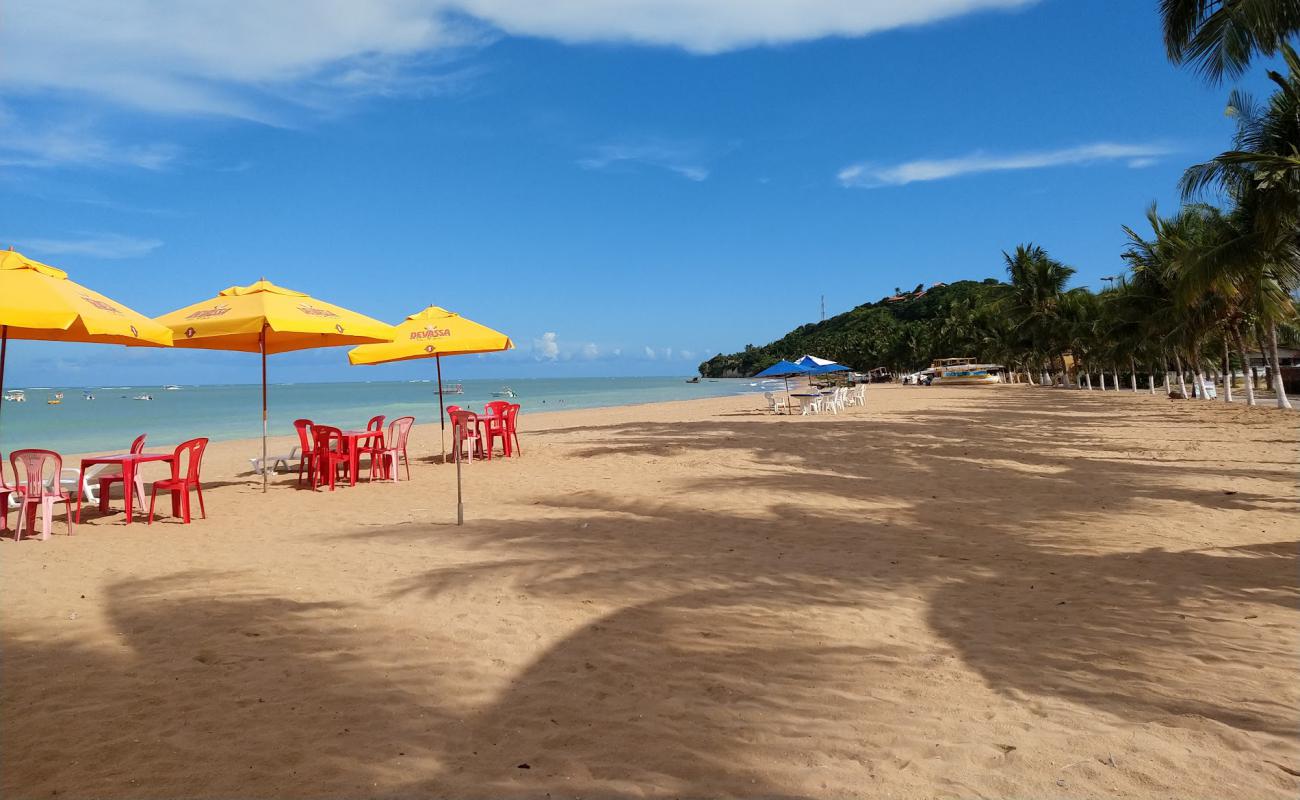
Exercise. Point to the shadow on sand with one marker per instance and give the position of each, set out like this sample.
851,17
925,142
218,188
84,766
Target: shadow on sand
698,655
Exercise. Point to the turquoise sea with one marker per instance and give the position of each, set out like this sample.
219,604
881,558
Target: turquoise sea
111,420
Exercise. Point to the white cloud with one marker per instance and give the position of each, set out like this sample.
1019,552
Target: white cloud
687,355
650,353
246,57
677,159
107,245
714,26
590,351
866,175
548,347
27,143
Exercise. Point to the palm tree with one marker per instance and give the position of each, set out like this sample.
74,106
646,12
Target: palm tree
1033,298
1261,175
1220,37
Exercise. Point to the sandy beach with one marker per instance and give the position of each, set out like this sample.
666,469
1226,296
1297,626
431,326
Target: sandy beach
983,592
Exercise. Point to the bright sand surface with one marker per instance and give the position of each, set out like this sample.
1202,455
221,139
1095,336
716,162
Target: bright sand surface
983,592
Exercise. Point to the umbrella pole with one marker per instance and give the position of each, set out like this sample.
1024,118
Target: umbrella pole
442,421
262,346
788,410
460,505
4,348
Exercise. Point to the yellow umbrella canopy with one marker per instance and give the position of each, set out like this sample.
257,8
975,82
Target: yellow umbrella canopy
265,318
239,317
432,332
38,301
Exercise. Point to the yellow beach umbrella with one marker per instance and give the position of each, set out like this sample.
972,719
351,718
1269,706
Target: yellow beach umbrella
433,333
265,318
38,302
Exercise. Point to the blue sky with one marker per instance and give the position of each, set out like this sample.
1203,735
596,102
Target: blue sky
625,188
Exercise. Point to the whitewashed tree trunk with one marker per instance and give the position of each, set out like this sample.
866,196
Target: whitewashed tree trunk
1248,371
1182,380
1151,383
1227,373
1133,375
1282,401
1087,378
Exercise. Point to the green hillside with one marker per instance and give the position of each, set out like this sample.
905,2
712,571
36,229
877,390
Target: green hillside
956,319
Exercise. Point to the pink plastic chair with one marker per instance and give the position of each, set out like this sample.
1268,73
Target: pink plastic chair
512,431
107,481
464,429
35,471
398,431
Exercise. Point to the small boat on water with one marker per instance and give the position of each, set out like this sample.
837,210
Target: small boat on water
87,396
54,399
964,372
143,397
457,389
172,388
15,396
696,379
506,391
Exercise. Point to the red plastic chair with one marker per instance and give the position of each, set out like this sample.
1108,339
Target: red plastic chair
493,426
374,446
331,455
32,484
191,453
512,430
465,429
398,431
107,481
306,453
5,491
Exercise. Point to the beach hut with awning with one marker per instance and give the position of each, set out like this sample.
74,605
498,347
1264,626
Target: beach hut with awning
38,302
265,318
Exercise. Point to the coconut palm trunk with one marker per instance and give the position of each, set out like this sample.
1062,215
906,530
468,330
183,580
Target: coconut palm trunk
1246,367
1227,373
1182,379
1132,374
1276,362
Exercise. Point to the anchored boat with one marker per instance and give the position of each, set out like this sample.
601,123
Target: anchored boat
964,372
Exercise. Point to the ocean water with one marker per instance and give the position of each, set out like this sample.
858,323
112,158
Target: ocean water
114,418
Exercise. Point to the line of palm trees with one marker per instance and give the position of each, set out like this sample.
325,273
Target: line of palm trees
1205,282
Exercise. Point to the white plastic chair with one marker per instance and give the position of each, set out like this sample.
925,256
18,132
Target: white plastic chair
775,404
859,395
294,455
812,405
74,480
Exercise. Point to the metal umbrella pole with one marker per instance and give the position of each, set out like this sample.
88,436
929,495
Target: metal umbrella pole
262,347
442,421
460,505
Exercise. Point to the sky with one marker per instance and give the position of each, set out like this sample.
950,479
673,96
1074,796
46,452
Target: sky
625,187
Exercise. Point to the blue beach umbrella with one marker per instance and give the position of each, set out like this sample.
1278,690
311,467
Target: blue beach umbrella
820,366
784,369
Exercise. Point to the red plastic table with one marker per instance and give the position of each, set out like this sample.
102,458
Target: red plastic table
484,422
354,455
129,462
